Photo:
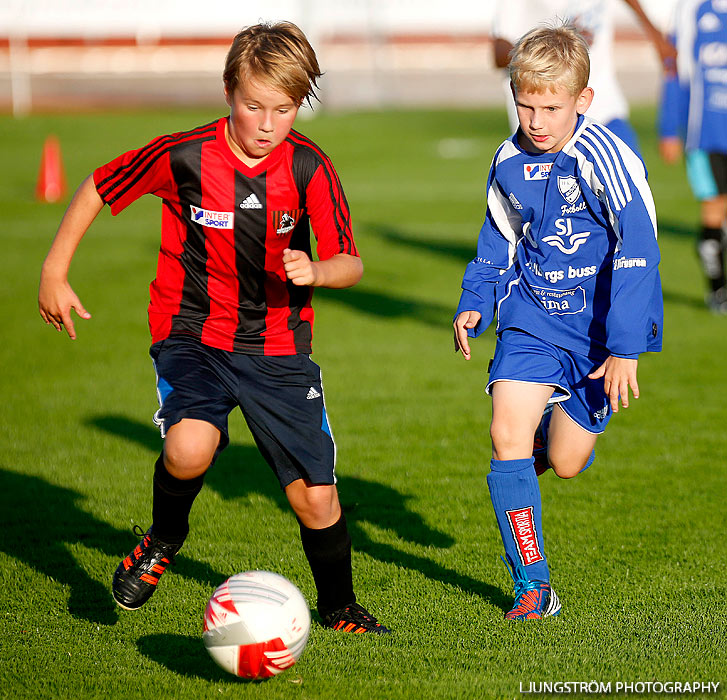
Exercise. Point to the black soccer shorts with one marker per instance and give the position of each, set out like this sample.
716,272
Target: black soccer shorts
281,398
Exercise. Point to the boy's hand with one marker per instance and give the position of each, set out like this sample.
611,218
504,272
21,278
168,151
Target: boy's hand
670,149
55,301
299,268
618,374
463,322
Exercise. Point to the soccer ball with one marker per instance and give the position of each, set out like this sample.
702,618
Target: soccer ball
256,624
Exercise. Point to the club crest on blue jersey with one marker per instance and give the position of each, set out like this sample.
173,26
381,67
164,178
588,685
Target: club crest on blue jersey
537,171
569,188
212,219
285,221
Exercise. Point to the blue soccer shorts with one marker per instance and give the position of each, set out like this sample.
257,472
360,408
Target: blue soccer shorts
520,357
281,399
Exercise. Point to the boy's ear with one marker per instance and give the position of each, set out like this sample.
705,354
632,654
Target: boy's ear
228,96
583,101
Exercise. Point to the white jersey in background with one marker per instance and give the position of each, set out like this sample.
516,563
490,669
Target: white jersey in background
594,18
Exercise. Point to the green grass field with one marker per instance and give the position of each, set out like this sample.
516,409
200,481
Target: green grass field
636,544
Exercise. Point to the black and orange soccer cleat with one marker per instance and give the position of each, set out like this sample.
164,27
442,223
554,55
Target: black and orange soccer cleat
354,618
137,576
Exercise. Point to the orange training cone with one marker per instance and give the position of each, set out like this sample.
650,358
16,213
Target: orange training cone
51,181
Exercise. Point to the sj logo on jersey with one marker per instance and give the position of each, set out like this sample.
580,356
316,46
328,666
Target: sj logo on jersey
537,171
285,221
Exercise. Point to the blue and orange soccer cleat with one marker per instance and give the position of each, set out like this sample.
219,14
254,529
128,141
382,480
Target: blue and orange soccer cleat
136,577
534,600
356,619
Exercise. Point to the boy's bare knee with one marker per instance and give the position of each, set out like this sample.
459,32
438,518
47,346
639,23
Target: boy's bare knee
566,473
315,506
567,469
187,461
190,448
503,437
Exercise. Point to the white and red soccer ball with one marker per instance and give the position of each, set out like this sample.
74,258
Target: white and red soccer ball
256,624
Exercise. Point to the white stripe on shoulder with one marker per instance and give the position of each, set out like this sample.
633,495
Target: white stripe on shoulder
506,151
588,142
507,219
612,142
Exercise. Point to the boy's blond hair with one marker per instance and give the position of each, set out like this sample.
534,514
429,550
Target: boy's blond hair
549,57
277,54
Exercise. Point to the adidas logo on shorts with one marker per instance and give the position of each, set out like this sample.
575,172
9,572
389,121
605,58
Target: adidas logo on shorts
313,394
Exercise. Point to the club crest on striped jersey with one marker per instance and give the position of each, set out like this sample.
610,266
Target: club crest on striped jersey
522,526
569,188
212,219
285,221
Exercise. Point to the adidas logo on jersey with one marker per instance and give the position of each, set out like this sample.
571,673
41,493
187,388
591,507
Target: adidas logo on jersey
251,202
313,394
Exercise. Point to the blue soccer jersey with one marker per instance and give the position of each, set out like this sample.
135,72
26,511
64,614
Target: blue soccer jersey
568,249
694,101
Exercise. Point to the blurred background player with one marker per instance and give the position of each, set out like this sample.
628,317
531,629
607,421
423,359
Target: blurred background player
594,20
693,116
230,312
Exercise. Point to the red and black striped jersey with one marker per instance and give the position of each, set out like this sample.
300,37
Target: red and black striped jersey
220,275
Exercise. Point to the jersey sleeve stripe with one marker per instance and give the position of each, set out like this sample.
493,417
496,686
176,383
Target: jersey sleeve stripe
506,219
604,162
616,201
616,157
121,180
342,216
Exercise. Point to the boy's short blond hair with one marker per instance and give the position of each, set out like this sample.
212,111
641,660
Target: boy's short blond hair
277,54
549,57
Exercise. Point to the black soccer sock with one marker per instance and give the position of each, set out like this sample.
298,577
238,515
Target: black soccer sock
172,503
711,254
329,554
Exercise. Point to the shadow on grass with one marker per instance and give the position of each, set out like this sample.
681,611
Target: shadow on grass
185,656
678,229
40,520
241,471
461,252
386,306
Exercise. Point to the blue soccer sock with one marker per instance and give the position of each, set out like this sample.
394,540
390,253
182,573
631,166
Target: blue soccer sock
515,495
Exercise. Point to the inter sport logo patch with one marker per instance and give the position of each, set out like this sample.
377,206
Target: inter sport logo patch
522,526
537,171
213,219
285,221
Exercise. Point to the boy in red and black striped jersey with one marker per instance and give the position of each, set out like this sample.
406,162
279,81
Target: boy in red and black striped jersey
230,311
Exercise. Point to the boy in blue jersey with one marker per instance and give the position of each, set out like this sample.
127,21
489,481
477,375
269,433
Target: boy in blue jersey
567,258
694,114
